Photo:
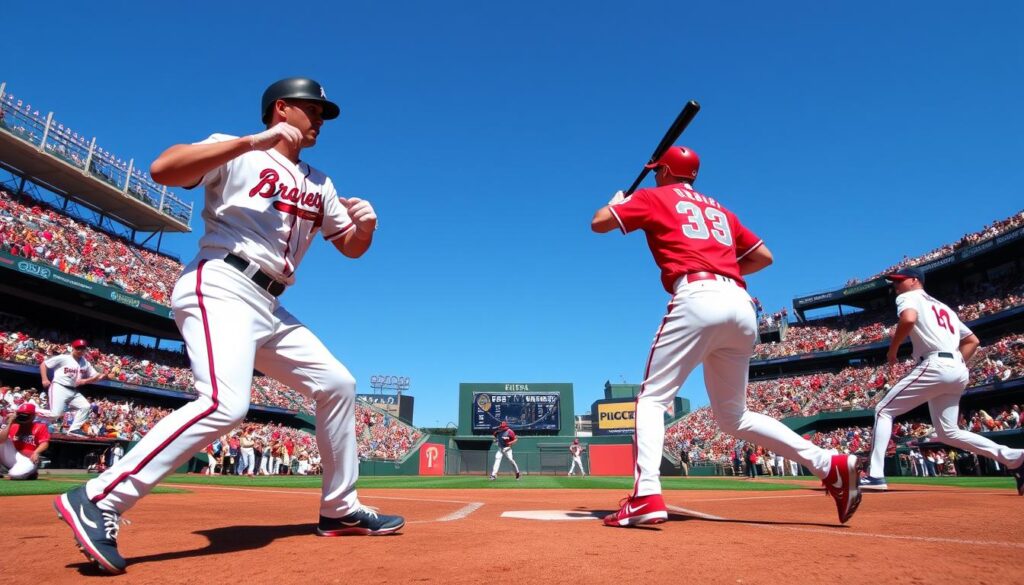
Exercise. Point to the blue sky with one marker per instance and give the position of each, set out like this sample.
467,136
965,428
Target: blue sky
486,135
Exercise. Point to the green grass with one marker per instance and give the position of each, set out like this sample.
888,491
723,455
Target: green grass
55,484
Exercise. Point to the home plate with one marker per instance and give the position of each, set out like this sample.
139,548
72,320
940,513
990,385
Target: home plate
553,514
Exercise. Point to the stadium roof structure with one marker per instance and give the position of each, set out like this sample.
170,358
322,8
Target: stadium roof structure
41,150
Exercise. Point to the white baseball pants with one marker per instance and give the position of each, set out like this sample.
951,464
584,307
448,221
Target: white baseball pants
18,466
230,325
576,461
60,398
710,322
938,381
507,453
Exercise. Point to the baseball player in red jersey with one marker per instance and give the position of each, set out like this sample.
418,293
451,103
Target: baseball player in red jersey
942,346
505,438
22,441
703,251
264,205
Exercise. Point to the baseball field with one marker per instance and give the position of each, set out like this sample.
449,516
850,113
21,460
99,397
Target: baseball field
542,529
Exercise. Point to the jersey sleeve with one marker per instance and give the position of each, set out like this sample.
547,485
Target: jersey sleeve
42,434
965,331
217,173
746,241
904,302
336,220
632,212
53,361
88,370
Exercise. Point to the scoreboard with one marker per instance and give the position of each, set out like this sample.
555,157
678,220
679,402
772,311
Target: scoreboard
529,411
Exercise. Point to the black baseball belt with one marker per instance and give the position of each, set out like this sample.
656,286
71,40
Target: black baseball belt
262,279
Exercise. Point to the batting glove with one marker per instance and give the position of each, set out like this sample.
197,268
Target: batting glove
271,136
619,197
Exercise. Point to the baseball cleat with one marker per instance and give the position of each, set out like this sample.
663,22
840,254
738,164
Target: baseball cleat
364,521
518,475
95,530
877,484
491,478
1018,474
843,485
638,510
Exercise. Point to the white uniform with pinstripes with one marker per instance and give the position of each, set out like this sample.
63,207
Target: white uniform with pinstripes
937,380
262,207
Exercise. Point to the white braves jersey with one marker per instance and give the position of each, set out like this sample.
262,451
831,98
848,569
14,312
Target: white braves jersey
67,371
264,208
937,328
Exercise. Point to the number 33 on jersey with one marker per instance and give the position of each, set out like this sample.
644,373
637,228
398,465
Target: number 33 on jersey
686,231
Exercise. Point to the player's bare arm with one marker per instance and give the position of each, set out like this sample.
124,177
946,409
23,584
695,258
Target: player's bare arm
39,451
907,319
969,345
184,165
43,374
356,242
757,259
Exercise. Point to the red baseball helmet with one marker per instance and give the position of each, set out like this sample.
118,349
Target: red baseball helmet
79,344
682,162
27,408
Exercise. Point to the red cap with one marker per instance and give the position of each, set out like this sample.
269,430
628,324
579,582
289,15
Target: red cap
79,343
503,425
27,408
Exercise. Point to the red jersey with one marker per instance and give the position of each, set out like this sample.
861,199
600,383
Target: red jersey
687,232
26,445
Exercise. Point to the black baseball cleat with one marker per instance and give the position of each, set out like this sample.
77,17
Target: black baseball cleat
94,529
1018,474
364,521
518,475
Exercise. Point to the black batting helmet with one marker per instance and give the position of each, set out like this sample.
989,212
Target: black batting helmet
298,88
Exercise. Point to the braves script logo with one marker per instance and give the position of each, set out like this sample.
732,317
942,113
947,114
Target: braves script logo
289,198
431,457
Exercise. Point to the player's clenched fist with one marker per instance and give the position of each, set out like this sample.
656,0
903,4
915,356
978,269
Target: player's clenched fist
362,214
271,136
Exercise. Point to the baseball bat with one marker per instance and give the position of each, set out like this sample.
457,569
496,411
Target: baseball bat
674,131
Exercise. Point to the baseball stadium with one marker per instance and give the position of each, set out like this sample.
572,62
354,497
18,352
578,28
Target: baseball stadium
533,480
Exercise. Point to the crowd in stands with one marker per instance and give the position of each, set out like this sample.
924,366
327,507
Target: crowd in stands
992,230
34,230
859,387
865,328
278,447
138,365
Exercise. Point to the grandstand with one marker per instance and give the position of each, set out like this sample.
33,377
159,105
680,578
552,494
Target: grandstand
76,223
823,375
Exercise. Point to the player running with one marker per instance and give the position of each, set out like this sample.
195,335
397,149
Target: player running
703,251
70,370
264,205
942,346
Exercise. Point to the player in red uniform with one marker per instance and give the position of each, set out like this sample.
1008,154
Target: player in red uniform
22,441
703,251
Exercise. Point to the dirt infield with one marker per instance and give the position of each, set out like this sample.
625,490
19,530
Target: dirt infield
252,535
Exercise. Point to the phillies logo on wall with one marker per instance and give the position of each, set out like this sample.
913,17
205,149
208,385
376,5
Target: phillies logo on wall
34,270
431,456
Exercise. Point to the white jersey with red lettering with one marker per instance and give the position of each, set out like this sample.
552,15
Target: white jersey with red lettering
938,328
266,210
67,370
263,207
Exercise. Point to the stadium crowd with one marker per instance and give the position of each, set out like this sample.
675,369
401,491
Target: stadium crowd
996,228
33,230
276,447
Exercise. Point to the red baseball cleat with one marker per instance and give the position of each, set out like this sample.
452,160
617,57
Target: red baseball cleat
634,511
842,483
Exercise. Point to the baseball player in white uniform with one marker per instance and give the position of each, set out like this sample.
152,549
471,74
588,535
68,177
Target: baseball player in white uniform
264,205
576,450
505,438
703,251
70,370
942,346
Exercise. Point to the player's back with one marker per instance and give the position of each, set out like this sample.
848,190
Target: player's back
687,231
938,328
